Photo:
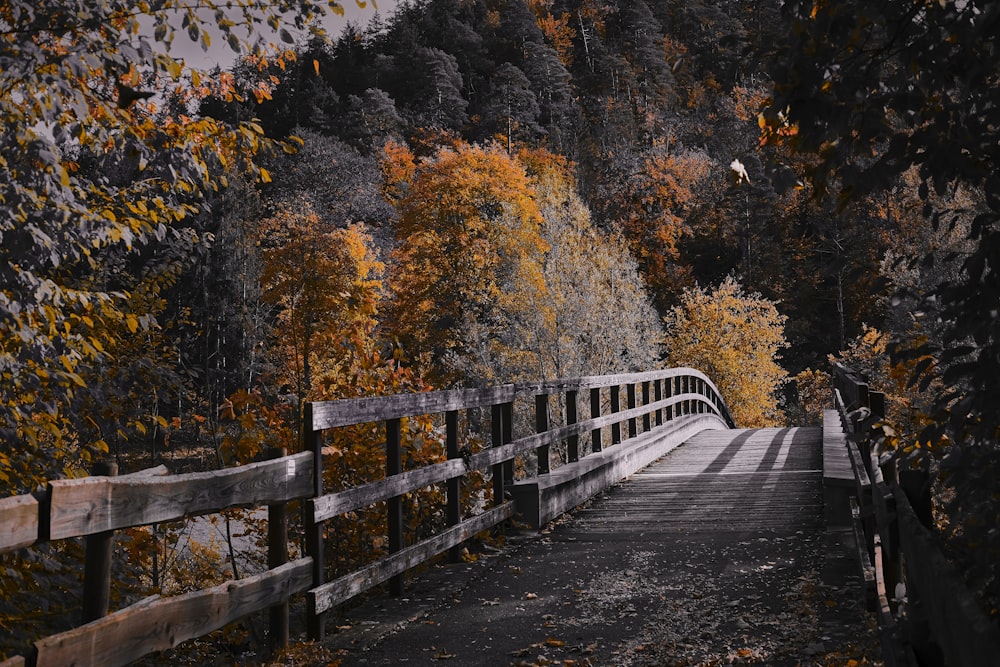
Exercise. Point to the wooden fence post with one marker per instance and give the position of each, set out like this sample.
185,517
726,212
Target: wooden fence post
97,567
313,441
595,411
573,443
645,401
496,438
507,437
453,510
630,397
542,425
394,466
616,406
657,397
277,555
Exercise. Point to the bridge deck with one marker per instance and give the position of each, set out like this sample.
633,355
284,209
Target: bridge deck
715,554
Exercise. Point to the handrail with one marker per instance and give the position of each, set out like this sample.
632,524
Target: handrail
940,610
665,395
669,400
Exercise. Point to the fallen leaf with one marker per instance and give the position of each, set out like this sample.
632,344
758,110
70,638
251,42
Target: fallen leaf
530,596
555,643
443,655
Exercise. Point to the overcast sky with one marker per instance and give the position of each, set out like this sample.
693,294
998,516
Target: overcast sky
220,54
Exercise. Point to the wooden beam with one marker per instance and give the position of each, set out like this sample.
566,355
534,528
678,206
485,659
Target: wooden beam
157,624
97,504
19,518
331,414
339,590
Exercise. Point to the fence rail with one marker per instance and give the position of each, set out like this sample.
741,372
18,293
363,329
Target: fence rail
674,400
942,623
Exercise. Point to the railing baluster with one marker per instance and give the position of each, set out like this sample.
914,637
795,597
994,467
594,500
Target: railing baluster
630,398
313,441
394,466
97,563
573,442
595,411
454,486
542,425
645,401
657,397
496,438
277,555
616,428
508,437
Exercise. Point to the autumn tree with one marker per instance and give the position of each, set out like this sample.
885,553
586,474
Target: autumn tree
736,339
77,88
322,280
467,276
603,319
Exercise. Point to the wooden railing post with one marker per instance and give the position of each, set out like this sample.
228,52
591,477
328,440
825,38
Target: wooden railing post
277,555
313,441
645,401
394,466
97,567
630,398
542,425
573,442
616,406
595,411
657,397
496,438
454,486
507,410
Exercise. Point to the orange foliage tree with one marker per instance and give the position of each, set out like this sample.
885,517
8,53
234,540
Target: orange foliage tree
468,280
735,338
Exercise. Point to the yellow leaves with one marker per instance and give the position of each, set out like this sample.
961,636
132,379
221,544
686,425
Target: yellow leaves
735,338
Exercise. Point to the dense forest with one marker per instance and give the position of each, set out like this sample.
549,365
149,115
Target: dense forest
471,192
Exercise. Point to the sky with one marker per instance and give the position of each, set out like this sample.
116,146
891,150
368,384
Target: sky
219,53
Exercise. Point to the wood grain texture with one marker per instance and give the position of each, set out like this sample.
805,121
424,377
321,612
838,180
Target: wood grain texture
16,661
331,594
157,624
19,518
330,414
95,504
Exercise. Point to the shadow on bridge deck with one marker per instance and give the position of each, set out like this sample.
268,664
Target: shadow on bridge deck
715,554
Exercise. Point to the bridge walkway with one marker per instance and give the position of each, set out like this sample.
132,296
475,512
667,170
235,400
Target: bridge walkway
716,554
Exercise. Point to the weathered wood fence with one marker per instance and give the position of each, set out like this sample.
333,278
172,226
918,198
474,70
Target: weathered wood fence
942,622
662,408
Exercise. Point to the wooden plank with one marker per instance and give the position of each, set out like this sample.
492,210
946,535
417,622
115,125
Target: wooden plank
956,621
19,518
157,624
96,504
331,414
339,590
16,661
331,505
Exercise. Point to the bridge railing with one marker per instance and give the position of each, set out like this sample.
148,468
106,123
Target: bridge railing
891,513
652,400
668,403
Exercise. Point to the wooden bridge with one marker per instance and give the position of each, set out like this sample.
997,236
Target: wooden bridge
721,545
